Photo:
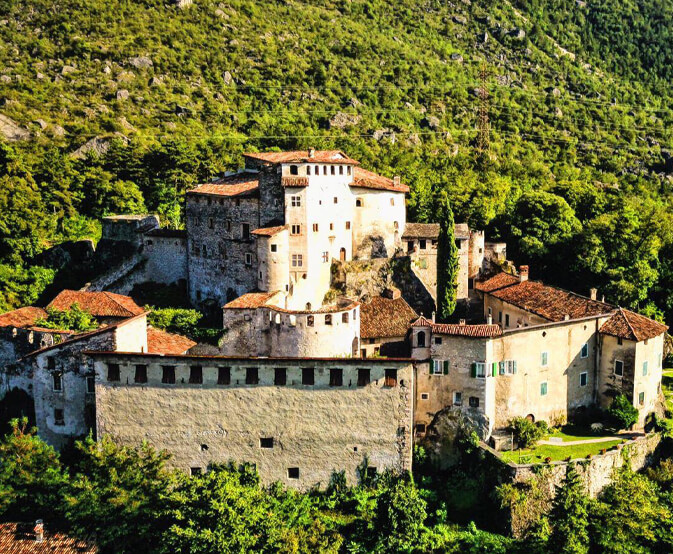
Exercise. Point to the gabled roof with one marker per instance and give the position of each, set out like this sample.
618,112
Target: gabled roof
497,282
386,317
250,300
241,184
550,303
369,180
629,325
269,231
163,342
421,230
422,322
303,156
22,318
19,538
98,304
477,331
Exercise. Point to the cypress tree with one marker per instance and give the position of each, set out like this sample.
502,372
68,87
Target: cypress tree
447,260
570,517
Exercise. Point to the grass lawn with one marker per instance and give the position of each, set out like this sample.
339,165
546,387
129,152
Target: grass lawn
576,433
556,453
667,387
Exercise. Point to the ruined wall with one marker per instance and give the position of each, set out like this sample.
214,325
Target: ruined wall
318,429
166,258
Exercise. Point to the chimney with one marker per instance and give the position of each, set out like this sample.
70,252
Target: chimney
396,180
566,317
462,322
434,315
593,293
39,530
311,152
523,273
392,292
490,319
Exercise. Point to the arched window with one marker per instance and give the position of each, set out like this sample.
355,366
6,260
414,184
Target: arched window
317,170
333,170
308,306
420,338
358,203
294,170
308,170
341,170
324,170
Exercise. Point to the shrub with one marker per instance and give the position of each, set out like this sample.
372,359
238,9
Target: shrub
622,412
526,433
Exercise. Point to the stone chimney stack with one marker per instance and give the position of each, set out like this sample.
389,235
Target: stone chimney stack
434,315
523,273
594,294
39,530
311,152
396,180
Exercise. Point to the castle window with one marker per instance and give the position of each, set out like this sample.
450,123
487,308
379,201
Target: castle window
341,170
205,251
58,381
280,377
506,320
420,428
420,339
308,306
421,244
392,201
224,375
293,320
315,227
363,377
328,319
310,321
438,340
336,377
457,398
620,340
209,201
59,418
228,225
396,225
90,384
583,379
344,317
331,226
585,350
641,398
307,376
294,170
325,257
141,374
317,170
324,170
410,246
196,251
295,201
308,170
148,243
358,203
544,359
348,225
348,169
296,229
266,442
336,200
113,372
211,223
332,170
425,396
196,375
248,258
251,376
543,388
274,248
644,368
245,231
293,473
297,260
168,374
355,314
500,317
51,362
390,378
474,402
198,295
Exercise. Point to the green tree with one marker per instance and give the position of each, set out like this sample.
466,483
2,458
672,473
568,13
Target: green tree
570,517
447,260
73,319
623,412
400,514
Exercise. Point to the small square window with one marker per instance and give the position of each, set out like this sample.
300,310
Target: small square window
90,384
583,379
425,396
390,378
274,248
336,377
363,377
420,428
280,377
297,260
113,372
307,376
310,321
141,374
296,201
251,376
59,418
438,340
328,319
543,388
474,402
266,442
457,398
585,350
619,368
196,375
223,375
168,374
293,473
195,471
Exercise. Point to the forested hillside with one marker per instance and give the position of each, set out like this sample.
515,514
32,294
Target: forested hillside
580,169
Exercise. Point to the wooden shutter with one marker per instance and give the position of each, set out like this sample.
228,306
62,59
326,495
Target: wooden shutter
514,366
446,367
494,368
474,369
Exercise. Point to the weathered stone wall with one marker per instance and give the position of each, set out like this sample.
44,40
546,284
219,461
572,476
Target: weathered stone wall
379,222
166,259
127,228
273,267
120,278
318,429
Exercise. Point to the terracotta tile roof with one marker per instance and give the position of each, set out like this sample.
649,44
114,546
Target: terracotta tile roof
270,231
386,317
294,181
22,318
422,322
303,156
19,538
550,303
477,331
497,282
632,326
250,300
168,233
369,180
162,342
421,230
99,304
241,184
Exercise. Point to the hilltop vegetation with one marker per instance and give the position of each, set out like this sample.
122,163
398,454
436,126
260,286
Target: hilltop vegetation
579,175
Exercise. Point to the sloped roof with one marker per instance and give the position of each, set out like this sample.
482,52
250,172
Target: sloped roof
422,322
163,342
19,538
477,331
303,156
386,317
269,231
241,184
632,326
370,180
550,303
22,318
497,282
421,230
99,304
250,300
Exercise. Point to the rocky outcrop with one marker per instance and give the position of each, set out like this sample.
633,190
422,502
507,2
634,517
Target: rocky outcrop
11,130
97,145
341,120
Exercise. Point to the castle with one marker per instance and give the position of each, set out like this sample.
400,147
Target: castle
309,379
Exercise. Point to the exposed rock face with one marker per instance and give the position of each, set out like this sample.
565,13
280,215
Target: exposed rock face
97,145
11,130
341,120
141,62
456,57
431,122
228,79
122,94
183,3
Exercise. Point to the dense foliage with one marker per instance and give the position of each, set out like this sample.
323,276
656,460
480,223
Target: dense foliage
447,261
525,432
183,321
622,412
73,319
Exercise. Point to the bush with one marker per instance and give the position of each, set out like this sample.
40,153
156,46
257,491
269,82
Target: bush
622,413
526,433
